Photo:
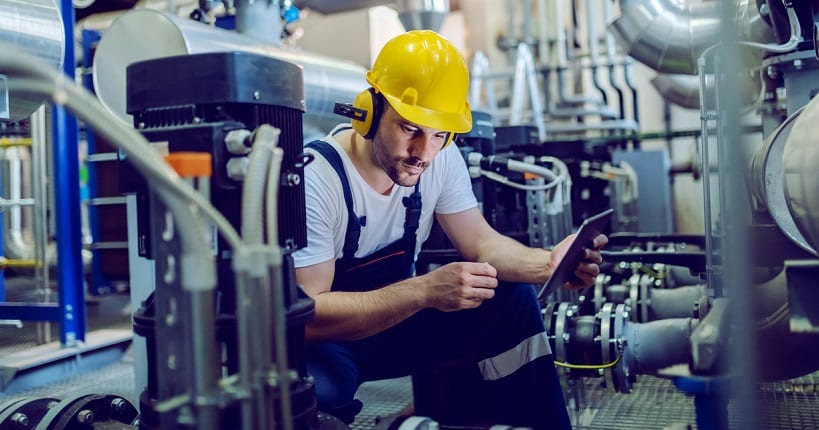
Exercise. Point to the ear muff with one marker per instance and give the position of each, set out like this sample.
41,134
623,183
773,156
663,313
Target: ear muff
373,103
371,106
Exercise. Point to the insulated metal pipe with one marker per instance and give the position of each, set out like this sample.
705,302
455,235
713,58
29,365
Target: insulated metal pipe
667,35
801,178
326,80
768,177
36,27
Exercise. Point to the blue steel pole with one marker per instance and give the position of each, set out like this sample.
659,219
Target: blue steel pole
67,204
2,271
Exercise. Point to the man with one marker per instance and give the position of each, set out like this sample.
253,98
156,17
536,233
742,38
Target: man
372,192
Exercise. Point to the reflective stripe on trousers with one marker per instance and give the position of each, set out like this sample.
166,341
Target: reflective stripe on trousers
507,362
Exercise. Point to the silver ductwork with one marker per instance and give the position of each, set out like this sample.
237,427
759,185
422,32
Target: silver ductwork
144,34
667,35
682,90
36,27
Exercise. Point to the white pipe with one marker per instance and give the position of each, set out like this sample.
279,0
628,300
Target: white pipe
796,37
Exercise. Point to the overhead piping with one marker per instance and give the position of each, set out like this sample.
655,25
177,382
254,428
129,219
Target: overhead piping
36,27
326,80
667,35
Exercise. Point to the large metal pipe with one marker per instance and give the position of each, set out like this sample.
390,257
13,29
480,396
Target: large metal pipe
667,35
768,176
144,34
801,177
36,27
682,90
784,178
670,35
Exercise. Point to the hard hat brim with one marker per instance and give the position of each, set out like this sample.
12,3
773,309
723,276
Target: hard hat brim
454,122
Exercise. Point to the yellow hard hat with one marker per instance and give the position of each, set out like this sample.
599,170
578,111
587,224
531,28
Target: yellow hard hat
424,77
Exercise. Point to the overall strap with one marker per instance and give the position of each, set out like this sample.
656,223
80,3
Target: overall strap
354,223
413,213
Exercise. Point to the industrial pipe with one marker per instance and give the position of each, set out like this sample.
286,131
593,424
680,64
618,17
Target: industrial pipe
682,90
767,181
801,178
326,80
667,35
34,26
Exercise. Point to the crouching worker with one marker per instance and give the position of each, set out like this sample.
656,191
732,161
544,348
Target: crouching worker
372,193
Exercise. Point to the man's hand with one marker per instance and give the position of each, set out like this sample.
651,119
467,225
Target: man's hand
588,268
458,286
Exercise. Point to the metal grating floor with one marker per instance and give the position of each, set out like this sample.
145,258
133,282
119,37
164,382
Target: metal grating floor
382,399
654,403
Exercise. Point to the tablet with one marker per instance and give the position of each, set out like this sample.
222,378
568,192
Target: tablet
564,271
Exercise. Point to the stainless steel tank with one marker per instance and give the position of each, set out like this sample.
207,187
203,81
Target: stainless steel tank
34,27
143,34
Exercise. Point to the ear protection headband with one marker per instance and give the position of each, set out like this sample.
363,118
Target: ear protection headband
365,113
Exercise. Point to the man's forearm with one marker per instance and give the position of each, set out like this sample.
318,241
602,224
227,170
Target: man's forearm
515,261
343,315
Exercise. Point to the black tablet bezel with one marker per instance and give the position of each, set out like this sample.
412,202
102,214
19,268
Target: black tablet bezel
564,271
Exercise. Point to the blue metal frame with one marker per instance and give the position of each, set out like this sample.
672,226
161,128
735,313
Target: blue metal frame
67,204
100,284
2,275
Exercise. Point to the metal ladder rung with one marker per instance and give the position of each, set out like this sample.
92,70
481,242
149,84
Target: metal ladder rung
108,245
103,201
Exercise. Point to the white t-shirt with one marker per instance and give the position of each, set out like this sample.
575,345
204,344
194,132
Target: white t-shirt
445,188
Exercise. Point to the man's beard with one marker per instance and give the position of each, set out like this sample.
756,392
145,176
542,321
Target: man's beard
391,165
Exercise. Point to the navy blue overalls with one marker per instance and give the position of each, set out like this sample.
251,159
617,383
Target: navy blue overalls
531,396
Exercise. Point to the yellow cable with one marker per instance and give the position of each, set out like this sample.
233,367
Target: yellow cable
657,275
588,366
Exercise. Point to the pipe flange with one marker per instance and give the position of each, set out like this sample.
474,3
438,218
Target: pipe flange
549,320
87,411
605,343
621,370
25,413
561,335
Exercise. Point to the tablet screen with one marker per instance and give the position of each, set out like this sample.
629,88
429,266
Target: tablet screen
564,271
